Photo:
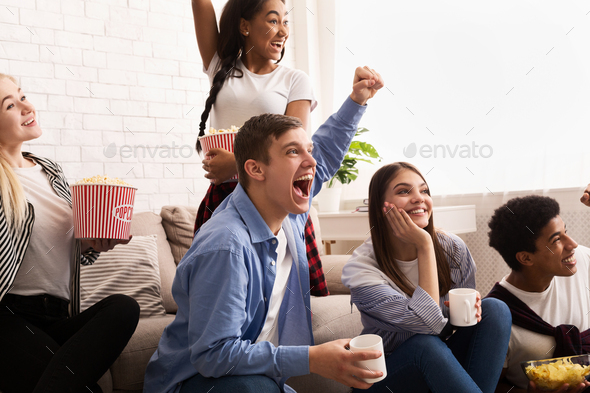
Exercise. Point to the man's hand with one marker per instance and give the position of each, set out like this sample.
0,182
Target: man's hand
220,165
334,361
102,245
585,199
365,84
532,388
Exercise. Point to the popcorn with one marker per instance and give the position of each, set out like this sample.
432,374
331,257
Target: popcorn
232,129
104,179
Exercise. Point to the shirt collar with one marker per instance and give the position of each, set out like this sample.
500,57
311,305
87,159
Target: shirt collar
257,227
48,165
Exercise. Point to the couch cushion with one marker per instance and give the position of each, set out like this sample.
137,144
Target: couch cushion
332,320
129,369
129,269
179,224
333,265
148,223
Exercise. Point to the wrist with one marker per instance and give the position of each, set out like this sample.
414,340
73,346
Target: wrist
425,246
362,101
84,246
312,353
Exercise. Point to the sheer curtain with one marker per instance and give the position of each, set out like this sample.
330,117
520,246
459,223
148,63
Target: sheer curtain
481,97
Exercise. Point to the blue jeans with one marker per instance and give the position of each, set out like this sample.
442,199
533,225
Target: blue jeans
234,383
471,360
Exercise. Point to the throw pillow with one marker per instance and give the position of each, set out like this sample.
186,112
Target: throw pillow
129,269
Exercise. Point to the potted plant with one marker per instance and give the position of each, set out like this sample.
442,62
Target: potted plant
348,172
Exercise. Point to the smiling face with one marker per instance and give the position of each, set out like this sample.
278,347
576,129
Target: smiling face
18,122
288,176
268,31
554,255
408,191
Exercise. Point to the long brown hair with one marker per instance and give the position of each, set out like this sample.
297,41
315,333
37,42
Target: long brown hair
230,47
381,232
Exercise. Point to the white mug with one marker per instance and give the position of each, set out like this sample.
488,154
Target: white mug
370,342
462,306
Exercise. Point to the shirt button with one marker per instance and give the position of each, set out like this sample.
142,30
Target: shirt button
274,241
265,298
272,263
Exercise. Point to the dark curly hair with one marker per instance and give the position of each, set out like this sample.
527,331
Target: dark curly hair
517,225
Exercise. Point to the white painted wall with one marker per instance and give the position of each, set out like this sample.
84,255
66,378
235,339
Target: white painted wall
105,74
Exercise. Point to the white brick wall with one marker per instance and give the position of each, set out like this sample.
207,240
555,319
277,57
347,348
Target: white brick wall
108,75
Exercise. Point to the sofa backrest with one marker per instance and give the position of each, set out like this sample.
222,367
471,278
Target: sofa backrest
179,224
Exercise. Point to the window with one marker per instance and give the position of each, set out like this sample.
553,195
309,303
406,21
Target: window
481,97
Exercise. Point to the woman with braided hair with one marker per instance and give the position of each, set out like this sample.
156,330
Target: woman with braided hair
241,59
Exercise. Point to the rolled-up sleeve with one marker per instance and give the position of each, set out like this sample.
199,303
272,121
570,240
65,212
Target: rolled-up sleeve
389,310
332,139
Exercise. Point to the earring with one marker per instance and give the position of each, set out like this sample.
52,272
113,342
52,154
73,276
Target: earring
247,33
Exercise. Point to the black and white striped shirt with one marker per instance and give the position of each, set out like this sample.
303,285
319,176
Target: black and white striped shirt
13,243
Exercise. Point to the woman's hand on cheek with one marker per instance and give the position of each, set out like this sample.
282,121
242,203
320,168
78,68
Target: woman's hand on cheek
404,228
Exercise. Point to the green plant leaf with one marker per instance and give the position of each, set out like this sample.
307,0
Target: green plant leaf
358,151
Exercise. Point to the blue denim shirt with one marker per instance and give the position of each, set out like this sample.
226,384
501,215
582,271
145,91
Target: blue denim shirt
224,283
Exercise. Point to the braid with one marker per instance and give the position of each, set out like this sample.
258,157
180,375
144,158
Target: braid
229,48
228,69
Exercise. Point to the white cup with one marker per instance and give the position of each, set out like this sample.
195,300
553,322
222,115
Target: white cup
462,306
370,342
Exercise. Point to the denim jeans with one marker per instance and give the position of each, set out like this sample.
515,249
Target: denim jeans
237,383
471,360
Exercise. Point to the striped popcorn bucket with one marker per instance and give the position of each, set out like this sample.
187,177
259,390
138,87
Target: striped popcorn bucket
219,141
102,211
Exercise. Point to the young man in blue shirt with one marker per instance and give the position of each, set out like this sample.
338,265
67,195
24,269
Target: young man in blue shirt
244,321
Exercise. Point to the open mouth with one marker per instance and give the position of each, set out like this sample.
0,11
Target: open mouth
571,260
28,122
302,185
417,211
277,44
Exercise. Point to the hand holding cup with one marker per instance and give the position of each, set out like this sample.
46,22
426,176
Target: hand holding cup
464,307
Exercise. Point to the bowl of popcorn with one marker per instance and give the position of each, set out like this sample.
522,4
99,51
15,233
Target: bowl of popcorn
219,139
551,374
102,208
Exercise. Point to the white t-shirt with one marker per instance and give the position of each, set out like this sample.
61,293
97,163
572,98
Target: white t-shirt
270,331
241,98
565,301
48,262
410,270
